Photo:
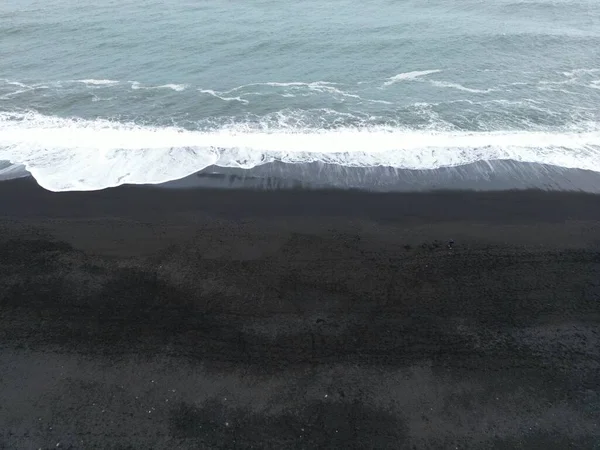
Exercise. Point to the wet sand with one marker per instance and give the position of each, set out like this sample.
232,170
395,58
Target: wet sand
140,317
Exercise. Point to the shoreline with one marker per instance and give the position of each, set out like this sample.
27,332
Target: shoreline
497,175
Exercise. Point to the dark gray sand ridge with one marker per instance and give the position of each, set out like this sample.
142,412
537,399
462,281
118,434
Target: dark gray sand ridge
156,318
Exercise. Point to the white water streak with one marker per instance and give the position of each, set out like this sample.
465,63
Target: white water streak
69,154
409,76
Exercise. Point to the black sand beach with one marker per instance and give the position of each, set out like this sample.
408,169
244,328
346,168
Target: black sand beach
141,317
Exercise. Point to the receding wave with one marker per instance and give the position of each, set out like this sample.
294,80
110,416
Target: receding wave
72,154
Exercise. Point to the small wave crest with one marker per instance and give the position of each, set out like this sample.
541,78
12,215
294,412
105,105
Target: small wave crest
418,76
288,90
579,72
409,76
15,83
136,85
460,87
173,87
223,96
93,82
72,154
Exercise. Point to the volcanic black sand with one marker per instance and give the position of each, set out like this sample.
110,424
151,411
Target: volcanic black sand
139,318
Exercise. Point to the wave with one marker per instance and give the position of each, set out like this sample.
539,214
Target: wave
222,96
549,88
136,85
14,93
576,72
416,76
409,76
239,94
296,88
72,154
312,84
173,87
16,83
460,87
550,83
92,82
24,88
318,87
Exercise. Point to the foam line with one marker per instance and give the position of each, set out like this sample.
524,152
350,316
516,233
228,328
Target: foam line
70,154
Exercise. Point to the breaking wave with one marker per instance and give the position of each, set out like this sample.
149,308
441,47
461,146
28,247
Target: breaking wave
72,154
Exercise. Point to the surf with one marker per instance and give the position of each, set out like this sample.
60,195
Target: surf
73,154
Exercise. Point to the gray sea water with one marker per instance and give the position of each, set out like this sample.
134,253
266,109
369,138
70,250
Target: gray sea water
110,92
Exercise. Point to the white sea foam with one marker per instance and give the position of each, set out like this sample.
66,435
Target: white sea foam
550,88
285,84
70,154
319,86
381,102
550,83
577,72
93,82
16,83
409,76
331,90
15,93
174,87
460,87
222,96
136,85
324,87
416,76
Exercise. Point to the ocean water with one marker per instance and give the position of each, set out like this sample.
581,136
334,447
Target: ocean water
98,94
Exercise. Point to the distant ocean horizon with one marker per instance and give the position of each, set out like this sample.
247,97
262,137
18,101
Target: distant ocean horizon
130,92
